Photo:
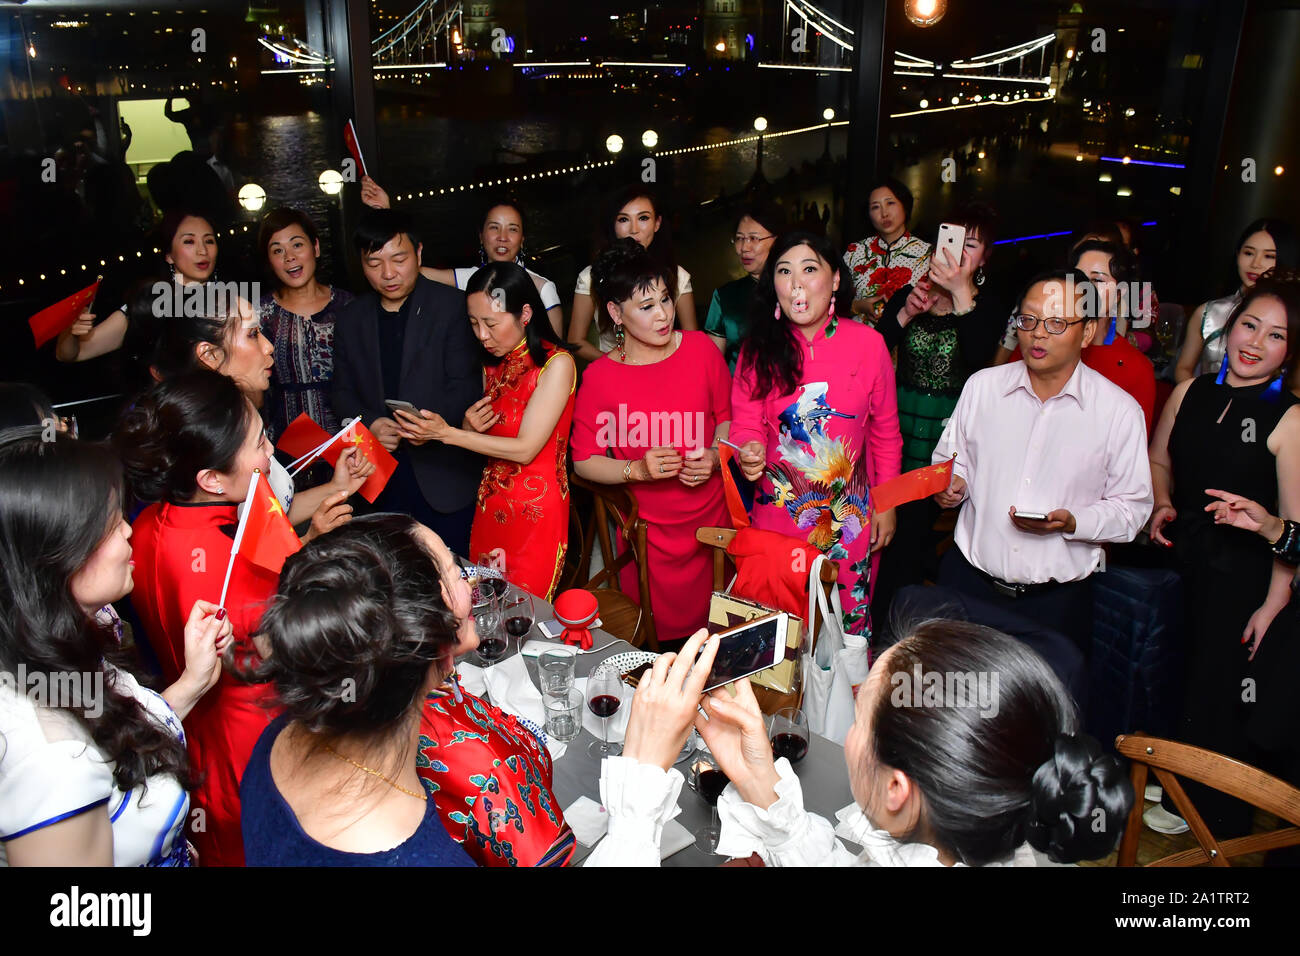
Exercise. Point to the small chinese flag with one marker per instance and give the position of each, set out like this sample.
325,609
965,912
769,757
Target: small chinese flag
385,463
302,436
354,147
50,321
268,537
912,486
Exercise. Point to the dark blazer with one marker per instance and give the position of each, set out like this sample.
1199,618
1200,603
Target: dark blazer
442,371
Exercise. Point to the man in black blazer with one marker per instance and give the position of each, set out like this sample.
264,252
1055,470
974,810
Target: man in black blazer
410,340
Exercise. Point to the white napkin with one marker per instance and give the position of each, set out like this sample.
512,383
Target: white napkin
588,820
617,724
675,838
509,687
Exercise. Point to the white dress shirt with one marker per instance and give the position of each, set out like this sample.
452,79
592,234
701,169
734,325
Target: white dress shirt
1084,449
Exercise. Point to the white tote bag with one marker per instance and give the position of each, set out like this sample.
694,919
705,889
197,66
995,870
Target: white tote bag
834,667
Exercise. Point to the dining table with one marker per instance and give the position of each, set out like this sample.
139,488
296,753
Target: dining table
822,772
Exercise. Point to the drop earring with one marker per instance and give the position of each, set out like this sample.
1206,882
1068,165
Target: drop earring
979,275
619,339
776,313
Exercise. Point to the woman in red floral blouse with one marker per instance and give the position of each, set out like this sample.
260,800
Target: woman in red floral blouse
892,258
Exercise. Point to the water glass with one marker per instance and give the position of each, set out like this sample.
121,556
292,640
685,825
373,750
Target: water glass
564,715
555,667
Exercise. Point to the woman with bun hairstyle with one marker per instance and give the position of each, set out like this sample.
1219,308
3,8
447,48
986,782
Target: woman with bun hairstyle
353,637
649,414
521,426
231,342
634,214
191,258
1239,429
997,778
380,607
815,413
190,445
97,774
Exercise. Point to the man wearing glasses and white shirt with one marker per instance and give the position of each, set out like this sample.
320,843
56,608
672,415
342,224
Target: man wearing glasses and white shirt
1047,437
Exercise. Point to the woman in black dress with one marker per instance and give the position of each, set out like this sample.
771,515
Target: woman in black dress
1239,430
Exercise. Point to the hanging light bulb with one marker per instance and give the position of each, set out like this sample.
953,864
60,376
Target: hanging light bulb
925,13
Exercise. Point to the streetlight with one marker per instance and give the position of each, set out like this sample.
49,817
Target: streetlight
649,139
760,124
925,13
828,114
924,103
614,144
330,182
252,196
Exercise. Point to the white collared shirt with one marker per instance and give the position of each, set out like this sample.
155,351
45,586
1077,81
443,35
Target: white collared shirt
1083,449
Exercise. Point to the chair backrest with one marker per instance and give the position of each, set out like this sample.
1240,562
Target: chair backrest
615,504
1170,760
770,701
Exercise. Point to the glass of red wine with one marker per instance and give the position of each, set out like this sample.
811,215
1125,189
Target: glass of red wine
708,781
517,612
492,640
604,697
788,731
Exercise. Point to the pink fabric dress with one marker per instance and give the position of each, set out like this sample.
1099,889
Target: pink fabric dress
827,444
624,411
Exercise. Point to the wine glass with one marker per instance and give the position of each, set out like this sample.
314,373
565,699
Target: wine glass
604,697
708,780
517,611
788,731
492,642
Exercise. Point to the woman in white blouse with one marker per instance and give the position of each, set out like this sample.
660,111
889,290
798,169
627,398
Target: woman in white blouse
635,214
996,777
93,768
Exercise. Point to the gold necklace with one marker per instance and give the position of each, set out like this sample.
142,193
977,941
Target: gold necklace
375,773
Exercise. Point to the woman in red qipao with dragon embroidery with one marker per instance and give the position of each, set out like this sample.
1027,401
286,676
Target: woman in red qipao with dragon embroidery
521,425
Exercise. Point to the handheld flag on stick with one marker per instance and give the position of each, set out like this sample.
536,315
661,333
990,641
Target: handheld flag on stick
385,464
302,437
57,318
737,490
354,146
912,486
264,534
324,450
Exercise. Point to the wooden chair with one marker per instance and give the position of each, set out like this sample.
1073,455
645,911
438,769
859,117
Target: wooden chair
619,614
769,701
1169,758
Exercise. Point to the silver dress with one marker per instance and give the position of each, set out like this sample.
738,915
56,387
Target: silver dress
1213,321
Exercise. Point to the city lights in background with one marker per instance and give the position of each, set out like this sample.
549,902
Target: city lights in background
614,143
925,13
330,182
252,196
760,123
649,139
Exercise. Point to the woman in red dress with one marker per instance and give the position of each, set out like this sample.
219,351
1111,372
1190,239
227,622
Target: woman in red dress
190,445
650,412
521,425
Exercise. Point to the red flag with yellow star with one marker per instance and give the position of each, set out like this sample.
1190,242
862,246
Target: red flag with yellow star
385,463
268,537
912,486
53,320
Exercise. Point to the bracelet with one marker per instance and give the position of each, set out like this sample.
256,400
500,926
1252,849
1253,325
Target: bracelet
1285,544
627,471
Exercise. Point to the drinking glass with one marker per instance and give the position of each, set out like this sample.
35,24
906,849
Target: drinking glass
788,731
604,697
517,611
493,642
564,715
708,780
555,667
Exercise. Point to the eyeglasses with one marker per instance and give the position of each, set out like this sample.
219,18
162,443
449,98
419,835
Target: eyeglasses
1055,326
739,240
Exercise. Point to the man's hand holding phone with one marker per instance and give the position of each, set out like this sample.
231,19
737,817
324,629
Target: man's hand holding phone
1059,520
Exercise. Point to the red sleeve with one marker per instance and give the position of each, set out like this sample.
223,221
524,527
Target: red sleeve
746,411
587,405
884,441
